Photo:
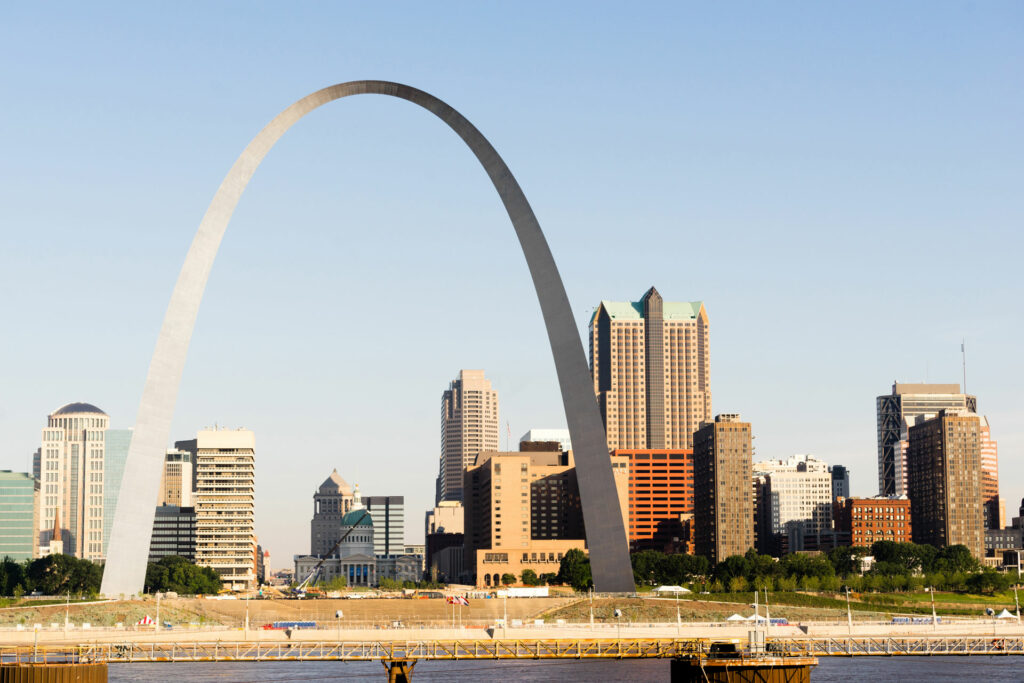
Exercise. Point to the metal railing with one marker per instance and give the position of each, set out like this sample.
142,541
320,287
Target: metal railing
500,649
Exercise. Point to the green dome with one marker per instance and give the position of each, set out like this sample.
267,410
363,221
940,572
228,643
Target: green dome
353,517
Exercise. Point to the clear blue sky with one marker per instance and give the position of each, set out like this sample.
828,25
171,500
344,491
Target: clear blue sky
841,185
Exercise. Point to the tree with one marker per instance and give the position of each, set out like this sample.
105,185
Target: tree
529,578
574,570
12,575
988,581
730,567
646,567
548,578
177,574
508,579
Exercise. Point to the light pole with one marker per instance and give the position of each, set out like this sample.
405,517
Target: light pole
338,615
1016,602
67,613
504,621
157,625
935,618
591,591
849,613
679,623
245,630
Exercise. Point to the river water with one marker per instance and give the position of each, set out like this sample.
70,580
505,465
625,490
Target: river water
829,670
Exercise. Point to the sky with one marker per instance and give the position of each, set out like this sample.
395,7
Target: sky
840,184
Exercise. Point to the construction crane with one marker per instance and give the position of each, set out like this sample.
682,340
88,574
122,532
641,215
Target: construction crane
301,588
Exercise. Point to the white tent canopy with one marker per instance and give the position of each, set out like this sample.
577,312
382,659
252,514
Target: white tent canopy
671,589
736,617
1005,615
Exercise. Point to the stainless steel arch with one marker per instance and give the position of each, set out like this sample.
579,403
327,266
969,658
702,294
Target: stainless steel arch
125,569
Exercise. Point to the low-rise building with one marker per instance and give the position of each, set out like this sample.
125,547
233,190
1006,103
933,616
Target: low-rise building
866,520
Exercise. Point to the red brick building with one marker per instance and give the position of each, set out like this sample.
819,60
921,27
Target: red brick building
867,520
660,499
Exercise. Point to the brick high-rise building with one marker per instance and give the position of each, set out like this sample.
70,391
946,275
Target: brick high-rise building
660,499
722,491
896,412
944,480
650,361
866,520
469,425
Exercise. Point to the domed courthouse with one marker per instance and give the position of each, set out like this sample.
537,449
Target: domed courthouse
342,538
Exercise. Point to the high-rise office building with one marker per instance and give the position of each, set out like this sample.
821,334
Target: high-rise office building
71,465
896,412
224,497
115,455
995,512
523,512
650,361
723,506
944,480
388,513
469,425
19,515
177,479
660,499
330,503
794,500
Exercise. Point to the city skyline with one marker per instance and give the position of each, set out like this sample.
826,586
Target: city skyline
878,179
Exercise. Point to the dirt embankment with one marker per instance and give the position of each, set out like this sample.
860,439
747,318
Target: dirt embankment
207,612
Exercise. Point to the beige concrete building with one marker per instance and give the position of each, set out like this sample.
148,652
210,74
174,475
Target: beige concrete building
177,479
469,425
331,501
723,506
944,481
225,503
793,500
522,511
71,479
651,365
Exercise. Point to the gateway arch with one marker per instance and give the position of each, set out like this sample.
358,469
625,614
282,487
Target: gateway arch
128,551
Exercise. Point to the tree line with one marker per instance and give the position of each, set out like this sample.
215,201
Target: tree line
67,575
896,567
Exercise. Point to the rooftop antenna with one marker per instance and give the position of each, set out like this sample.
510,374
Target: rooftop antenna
963,354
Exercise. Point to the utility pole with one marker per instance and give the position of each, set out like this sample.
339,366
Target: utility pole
67,613
935,619
157,625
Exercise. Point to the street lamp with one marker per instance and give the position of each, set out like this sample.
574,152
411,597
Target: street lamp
338,615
